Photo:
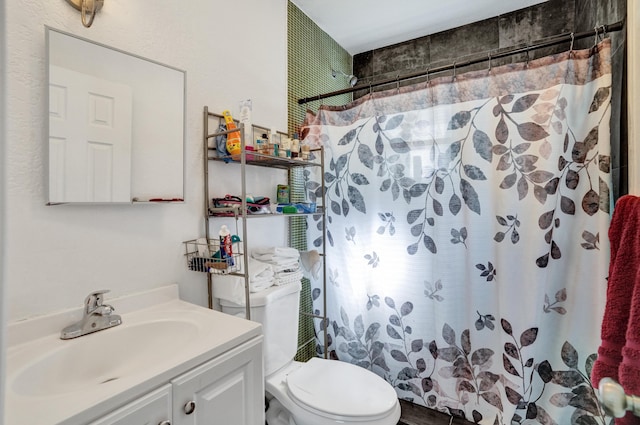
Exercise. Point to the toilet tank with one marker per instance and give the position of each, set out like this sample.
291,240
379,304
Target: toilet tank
276,308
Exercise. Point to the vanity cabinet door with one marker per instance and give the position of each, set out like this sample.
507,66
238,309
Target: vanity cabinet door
228,390
151,409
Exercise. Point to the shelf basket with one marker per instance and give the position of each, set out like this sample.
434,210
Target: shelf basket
204,256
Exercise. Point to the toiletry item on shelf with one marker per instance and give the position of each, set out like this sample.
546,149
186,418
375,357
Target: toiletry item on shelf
226,250
306,150
282,194
249,156
246,106
295,146
285,148
217,263
264,144
232,204
234,142
262,148
297,208
289,209
221,142
271,145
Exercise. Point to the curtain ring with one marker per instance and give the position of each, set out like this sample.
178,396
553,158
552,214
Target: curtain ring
571,47
489,70
428,76
527,56
454,70
600,35
398,83
370,90
595,40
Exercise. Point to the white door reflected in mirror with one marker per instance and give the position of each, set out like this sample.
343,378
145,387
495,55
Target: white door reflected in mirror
116,124
89,138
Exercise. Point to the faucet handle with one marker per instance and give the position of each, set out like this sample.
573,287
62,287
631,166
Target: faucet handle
104,310
94,300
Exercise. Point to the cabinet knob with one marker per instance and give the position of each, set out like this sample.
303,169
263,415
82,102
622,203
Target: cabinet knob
165,423
189,407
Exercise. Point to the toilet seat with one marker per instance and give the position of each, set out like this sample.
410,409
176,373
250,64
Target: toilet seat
326,388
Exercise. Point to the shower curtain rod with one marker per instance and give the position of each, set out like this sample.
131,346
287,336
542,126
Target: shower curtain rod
552,41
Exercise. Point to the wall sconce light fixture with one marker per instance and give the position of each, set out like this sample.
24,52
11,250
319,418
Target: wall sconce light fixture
351,78
88,9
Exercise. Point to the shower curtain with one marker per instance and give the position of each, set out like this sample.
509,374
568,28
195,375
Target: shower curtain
467,249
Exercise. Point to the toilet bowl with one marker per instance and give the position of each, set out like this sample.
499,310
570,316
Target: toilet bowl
317,392
327,392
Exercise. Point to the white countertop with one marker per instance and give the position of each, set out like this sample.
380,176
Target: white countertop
210,333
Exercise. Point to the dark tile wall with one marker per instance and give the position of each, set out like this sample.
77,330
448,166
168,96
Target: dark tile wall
589,14
517,28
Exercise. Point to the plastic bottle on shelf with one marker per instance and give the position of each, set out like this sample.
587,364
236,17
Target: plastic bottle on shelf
226,245
234,141
295,146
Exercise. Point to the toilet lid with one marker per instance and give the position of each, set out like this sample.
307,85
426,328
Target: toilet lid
335,388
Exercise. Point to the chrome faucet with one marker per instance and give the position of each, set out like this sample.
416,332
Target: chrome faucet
96,317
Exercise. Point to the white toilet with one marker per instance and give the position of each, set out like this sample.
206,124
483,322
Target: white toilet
318,392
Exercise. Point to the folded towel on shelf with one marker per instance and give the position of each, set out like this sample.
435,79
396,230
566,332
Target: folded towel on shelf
280,258
261,285
284,278
231,288
274,251
619,352
258,269
275,260
286,267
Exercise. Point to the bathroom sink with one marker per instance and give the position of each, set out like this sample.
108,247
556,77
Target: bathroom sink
51,381
104,357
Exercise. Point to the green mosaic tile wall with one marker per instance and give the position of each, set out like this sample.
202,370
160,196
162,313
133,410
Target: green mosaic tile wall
312,54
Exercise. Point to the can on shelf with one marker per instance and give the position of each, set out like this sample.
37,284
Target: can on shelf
282,195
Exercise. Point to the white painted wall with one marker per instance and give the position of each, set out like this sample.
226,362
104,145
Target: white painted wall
54,256
3,179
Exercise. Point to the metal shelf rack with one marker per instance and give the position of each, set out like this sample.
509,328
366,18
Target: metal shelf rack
243,160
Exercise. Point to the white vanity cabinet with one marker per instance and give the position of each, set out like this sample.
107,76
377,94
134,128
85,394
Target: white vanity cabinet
151,409
228,390
166,355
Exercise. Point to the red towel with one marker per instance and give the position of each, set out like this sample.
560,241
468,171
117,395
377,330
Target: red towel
619,352
629,371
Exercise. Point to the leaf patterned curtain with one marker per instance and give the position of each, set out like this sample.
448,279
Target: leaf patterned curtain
467,249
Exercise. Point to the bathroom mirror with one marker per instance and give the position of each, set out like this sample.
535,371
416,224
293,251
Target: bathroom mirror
116,124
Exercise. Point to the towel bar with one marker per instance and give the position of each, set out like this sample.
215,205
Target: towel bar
614,400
